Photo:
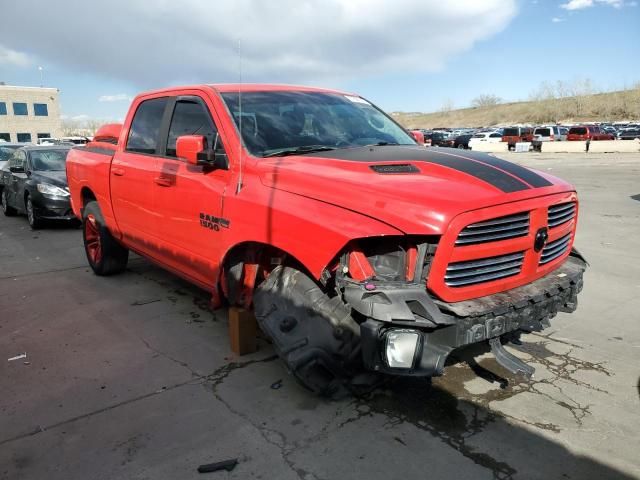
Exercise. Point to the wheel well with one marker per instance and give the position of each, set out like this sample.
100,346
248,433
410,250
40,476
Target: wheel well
246,265
87,196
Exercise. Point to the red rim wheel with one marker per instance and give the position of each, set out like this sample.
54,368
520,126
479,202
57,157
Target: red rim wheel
92,237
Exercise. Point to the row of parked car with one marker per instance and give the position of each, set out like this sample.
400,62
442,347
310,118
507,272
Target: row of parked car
467,138
33,181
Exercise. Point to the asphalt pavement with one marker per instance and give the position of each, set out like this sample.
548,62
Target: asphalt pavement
132,377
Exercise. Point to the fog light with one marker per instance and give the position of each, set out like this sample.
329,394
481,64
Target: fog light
401,348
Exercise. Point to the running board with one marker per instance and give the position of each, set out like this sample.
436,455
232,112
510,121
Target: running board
508,360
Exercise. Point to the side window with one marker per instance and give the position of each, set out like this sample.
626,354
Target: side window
145,127
18,159
190,118
495,135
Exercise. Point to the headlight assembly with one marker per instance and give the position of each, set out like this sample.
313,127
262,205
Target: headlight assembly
47,189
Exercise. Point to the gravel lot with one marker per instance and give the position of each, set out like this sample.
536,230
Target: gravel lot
131,377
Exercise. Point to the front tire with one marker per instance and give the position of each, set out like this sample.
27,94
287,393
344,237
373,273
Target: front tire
35,222
314,334
104,254
8,210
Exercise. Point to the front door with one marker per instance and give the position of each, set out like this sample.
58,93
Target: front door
133,173
190,198
17,180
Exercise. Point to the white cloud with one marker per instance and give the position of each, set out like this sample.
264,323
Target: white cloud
120,97
309,41
13,58
557,19
582,4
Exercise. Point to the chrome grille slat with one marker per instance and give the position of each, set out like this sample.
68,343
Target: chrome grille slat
564,239
485,261
466,233
561,207
484,270
552,251
480,271
552,257
497,221
483,278
502,228
561,213
555,249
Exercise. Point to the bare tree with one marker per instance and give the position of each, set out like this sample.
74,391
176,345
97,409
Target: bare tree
486,100
447,105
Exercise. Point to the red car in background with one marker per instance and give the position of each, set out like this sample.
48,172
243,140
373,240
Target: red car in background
514,135
588,132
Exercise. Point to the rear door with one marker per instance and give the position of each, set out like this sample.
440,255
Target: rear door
133,172
189,198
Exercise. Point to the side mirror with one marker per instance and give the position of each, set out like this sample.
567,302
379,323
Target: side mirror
189,146
194,149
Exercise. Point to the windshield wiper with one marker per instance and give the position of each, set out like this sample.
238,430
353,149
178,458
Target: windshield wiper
382,144
299,150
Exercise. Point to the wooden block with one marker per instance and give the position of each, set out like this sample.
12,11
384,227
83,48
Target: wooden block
243,330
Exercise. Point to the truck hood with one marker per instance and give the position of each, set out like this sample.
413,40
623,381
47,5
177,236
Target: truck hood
414,189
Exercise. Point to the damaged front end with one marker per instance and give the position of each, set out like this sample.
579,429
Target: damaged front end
407,330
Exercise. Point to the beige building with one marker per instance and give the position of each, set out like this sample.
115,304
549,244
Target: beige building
29,113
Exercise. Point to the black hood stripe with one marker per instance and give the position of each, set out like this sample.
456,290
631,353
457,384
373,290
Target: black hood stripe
528,176
486,173
476,164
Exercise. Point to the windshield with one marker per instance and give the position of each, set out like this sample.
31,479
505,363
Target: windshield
274,122
6,152
48,160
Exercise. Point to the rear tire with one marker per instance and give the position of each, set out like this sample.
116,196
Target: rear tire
313,334
104,254
8,210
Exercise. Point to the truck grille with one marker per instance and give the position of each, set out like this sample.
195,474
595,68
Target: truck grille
555,249
501,228
561,213
460,274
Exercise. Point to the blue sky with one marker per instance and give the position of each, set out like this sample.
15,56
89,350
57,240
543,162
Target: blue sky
411,63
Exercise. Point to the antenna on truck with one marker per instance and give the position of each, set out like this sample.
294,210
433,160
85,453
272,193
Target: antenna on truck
240,150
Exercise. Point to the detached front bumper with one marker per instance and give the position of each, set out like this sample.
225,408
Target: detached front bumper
442,327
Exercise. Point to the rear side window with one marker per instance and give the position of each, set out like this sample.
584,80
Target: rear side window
145,127
190,118
578,131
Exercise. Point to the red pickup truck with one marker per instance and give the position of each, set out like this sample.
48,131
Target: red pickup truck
361,252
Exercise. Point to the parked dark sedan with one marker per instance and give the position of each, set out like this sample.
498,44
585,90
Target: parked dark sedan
629,134
35,183
462,141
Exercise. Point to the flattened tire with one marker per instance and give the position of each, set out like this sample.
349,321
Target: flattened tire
104,254
313,334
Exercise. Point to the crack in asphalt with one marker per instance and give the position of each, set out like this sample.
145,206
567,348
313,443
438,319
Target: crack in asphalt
275,437
55,270
217,376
